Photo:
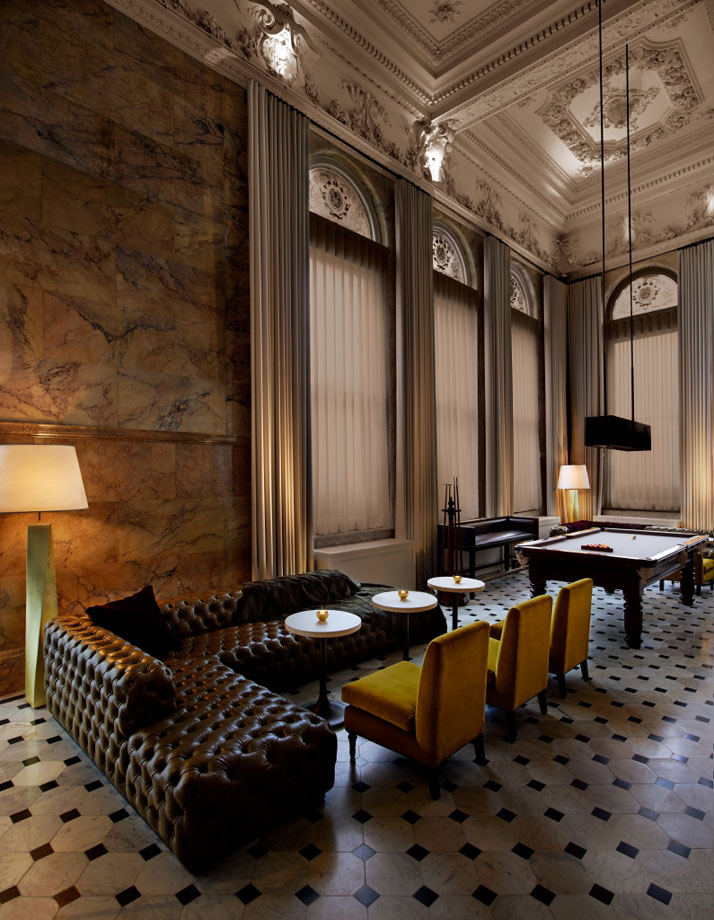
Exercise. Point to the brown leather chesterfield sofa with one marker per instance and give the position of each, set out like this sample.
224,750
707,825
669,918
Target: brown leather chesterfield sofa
203,750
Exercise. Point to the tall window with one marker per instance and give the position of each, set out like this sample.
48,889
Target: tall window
456,334
527,404
352,386
645,480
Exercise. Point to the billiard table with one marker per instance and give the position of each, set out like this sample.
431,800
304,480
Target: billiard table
638,559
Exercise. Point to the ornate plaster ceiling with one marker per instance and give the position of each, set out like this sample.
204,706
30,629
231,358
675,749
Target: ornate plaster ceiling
516,81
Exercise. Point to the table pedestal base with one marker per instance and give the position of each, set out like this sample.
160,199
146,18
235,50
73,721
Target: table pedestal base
331,712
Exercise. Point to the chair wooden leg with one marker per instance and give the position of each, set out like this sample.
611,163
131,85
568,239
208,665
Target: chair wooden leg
661,584
562,689
699,590
584,669
352,738
434,787
480,751
511,730
542,703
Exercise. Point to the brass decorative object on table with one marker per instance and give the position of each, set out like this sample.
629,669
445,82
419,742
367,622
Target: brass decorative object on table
403,594
457,579
322,616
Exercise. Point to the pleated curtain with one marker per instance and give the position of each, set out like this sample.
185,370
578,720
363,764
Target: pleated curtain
696,384
555,295
416,405
278,161
499,384
527,495
350,332
457,390
585,350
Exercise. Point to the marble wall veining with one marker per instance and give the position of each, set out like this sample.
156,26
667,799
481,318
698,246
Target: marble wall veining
124,305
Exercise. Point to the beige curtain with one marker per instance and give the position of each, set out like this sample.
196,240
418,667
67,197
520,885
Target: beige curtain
585,338
456,342
696,384
646,480
278,163
416,404
555,295
526,413
499,386
349,332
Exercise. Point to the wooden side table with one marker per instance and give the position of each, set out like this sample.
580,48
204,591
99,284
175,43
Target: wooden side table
416,602
447,584
338,623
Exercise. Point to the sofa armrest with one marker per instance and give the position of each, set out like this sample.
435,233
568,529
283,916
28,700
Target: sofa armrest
101,688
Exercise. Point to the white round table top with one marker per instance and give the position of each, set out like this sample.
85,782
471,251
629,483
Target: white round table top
416,602
447,583
338,623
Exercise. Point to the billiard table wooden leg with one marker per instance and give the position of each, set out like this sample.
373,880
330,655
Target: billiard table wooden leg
633,616
686,582
537,586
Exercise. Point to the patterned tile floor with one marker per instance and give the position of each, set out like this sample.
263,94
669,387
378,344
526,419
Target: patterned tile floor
602,808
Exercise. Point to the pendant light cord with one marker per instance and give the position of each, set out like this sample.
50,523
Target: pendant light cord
602,201
629,228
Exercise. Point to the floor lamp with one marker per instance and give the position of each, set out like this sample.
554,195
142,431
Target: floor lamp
39,477
571,478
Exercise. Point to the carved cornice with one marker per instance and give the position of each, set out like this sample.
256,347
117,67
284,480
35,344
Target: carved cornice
535,153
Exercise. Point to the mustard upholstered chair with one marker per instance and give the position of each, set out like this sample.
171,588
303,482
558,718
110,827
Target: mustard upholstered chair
518,650
703,571
570,630
428,712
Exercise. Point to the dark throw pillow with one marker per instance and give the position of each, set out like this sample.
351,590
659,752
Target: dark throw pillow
136,619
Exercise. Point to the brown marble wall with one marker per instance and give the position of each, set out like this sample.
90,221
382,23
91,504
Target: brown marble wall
124,315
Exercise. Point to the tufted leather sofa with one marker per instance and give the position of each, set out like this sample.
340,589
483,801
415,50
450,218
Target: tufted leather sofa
206,753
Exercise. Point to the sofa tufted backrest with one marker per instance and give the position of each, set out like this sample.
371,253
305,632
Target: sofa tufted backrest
274,598
193,616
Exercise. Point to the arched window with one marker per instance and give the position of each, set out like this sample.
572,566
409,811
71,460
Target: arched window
644,480
352,374
527,401
456,344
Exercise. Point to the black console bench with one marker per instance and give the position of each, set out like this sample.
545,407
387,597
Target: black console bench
492,533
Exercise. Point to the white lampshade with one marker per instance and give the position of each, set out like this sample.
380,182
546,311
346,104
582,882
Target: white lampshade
40,477
573,476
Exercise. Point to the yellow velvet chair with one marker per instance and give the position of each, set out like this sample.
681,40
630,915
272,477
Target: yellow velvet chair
703,571
518,650
428,712
570,631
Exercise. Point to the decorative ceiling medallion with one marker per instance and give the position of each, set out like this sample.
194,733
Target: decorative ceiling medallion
447,258
443,11
663,99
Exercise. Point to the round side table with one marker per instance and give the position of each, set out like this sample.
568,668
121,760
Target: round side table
416,602
338,623
466,586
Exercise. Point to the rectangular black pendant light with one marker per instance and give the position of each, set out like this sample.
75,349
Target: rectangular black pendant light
616,433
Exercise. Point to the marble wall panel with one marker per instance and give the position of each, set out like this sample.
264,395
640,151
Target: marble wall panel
20,181
123,257
170,402
95,206
101,81
56,259
42,121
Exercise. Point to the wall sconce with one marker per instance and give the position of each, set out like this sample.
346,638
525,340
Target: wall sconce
281,40
434,143
39,477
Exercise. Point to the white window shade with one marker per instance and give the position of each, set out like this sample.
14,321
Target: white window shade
350,373
456,348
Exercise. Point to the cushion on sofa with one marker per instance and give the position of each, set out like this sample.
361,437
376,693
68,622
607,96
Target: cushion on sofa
274,598
137,619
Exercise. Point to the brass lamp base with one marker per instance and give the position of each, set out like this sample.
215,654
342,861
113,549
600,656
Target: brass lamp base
41,607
